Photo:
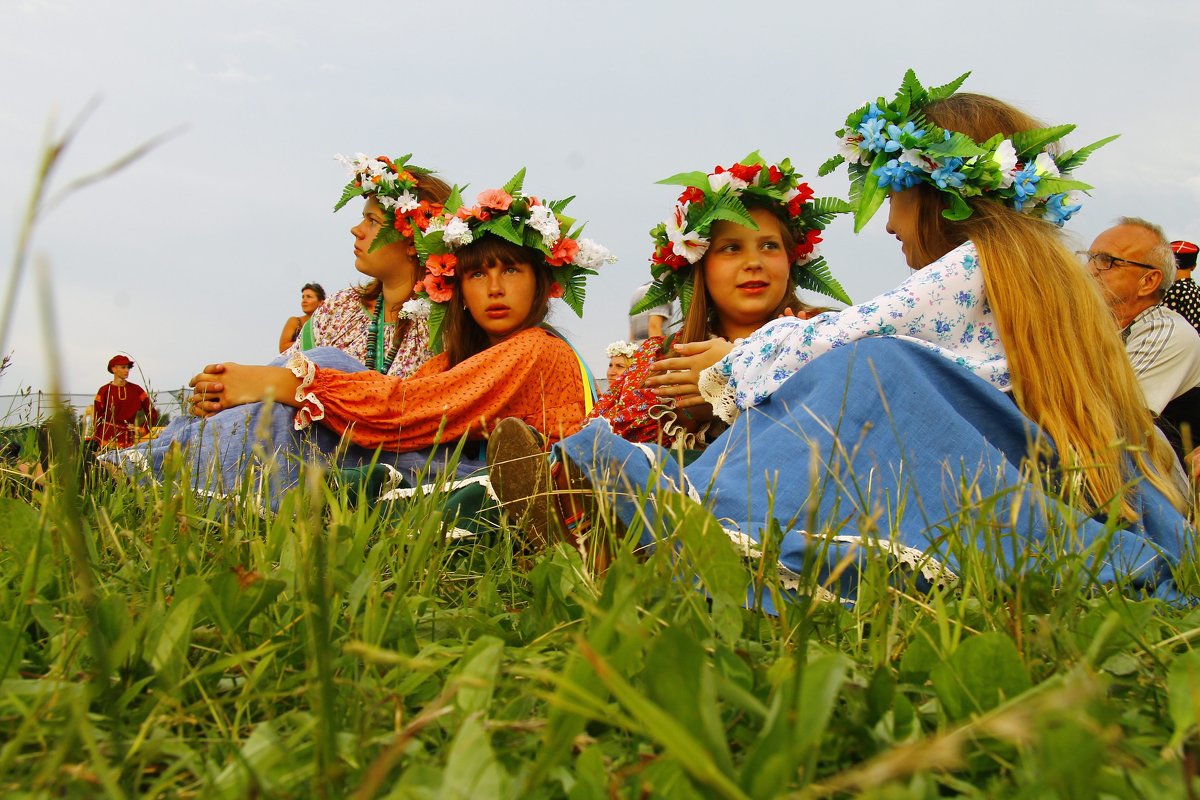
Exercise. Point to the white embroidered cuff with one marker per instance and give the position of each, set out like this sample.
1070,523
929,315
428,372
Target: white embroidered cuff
311,408
716,389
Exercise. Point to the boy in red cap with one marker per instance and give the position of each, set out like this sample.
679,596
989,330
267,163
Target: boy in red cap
1184,295
117,406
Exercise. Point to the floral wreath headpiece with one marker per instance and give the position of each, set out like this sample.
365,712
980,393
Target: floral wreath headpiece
621,348
522,219
393,182
682,240
893,146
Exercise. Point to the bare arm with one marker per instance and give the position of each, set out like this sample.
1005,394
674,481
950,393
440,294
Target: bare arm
290,328
221,386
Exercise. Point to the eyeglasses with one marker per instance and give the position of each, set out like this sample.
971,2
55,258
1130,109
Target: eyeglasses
1106,261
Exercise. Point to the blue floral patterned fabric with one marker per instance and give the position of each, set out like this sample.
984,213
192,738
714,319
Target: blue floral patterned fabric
883,444
942,307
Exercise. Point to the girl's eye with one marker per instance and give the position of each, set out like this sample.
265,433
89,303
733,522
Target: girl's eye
772,245
511,270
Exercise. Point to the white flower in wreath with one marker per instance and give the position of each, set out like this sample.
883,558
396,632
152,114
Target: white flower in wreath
542,220
1006,161
593,255
1044,166
436,224
689,244
719,180
457,233
811,257
416,308
353,165
407,202
386,203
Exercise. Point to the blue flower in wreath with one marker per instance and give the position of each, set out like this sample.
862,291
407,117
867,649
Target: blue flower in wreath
898,175
1057,210
898,137
872,133
1024,185
947,175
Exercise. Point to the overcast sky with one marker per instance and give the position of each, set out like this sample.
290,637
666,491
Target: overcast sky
197,252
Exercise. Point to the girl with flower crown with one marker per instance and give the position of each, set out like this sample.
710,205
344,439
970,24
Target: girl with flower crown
619,354
375,323
738,243
489,274
990,386
360,326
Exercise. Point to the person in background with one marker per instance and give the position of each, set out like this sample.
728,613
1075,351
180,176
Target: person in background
1135,267
311,298
121,409
619,353
652,321
1184,295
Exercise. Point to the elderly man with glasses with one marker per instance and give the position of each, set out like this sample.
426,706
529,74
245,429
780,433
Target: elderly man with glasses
1135,266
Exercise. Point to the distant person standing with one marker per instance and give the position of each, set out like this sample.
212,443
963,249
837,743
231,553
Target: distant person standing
311,298
1184,295
118,406
652,321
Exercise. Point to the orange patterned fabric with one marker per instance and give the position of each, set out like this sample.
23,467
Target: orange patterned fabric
533,376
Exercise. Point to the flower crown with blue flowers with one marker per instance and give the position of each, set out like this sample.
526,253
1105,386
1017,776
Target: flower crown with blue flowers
893,146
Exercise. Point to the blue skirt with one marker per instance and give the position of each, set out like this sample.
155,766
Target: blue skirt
885,446
254,451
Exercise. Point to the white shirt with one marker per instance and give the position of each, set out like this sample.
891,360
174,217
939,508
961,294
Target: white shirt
1164,350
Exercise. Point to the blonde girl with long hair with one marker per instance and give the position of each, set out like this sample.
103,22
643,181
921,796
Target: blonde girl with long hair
990,385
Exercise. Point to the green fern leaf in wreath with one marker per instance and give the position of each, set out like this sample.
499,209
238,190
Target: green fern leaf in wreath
724,206
816,277
686,289
515,182
830,165
657,295
437,316
1070,160
1030,143
349,193
574,288
387,235
454,201
502,227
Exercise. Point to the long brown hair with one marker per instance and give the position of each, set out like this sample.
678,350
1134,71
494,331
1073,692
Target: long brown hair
461,335
1070,372
701,321
432,189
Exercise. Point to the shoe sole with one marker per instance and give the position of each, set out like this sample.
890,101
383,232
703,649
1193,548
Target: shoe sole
520,475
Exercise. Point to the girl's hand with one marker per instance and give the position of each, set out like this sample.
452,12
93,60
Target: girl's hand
222,386
678,377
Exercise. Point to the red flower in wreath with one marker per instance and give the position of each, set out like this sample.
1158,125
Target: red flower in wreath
773,174
806,244
796,203
441,265
745,172
691,195
556,290
665,254
438,288
564,253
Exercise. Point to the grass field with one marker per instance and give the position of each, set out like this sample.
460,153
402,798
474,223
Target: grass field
154,643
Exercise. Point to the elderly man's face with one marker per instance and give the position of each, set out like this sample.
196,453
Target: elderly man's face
1126,283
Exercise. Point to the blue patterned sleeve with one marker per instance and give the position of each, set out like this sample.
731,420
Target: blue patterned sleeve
941,305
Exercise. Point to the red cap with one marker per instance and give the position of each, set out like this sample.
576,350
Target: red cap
1185,254
119,361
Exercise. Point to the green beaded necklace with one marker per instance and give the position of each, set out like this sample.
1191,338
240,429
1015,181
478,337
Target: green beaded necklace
377,351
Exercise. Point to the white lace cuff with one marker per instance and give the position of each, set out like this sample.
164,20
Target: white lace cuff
716,389
668,419
311,408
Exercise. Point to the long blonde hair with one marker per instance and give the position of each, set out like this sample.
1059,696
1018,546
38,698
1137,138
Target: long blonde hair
1069,368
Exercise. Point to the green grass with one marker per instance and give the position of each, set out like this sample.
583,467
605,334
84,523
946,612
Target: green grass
154,643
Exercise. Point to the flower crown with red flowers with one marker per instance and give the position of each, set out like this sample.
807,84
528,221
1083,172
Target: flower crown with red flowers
682,239
393,183
514,217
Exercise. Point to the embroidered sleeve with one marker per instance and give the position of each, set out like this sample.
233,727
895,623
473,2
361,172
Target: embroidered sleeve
941,307
718,391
